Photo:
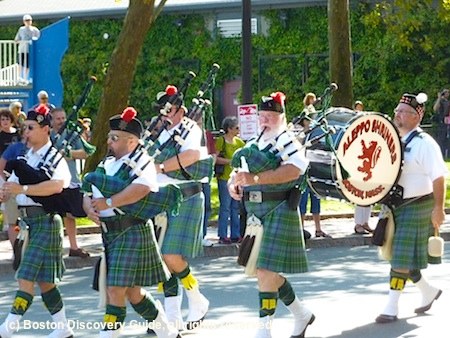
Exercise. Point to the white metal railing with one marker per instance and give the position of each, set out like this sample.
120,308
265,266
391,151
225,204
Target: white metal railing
10,68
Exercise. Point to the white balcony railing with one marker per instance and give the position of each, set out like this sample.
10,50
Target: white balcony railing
9,64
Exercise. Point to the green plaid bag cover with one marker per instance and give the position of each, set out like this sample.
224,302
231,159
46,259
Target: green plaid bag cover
133,257
413,227
260,160
184,232
168,198
197,171
43,257
283,246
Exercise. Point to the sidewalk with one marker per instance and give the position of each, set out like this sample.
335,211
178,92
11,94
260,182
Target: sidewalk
339,226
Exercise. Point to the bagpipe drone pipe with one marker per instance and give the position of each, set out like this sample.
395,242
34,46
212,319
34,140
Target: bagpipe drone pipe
202,168
67,200
168,197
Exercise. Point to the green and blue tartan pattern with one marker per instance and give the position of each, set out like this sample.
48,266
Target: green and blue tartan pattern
185,231
413,227
259,160
43,257
283,246
133,257
167,199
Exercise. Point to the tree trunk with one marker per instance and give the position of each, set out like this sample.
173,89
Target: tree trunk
340,51
119,78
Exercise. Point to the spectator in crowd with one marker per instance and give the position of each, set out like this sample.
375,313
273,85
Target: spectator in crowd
441,109
77,152
8,133
226,145
24,37
43,99
308,103
359,106
362,214
9,207
16,109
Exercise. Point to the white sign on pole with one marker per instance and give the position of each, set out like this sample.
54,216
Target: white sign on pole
248,121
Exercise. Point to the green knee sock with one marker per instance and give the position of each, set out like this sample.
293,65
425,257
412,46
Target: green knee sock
286,293
52,300
114,317
171,287
22,303
187,279
267,303
146,308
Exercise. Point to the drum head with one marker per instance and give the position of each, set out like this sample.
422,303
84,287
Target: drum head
370,159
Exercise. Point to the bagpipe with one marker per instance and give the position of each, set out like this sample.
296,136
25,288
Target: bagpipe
273,154
68,134
202,168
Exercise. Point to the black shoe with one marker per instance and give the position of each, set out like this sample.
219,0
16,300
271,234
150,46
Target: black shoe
385,319
425,308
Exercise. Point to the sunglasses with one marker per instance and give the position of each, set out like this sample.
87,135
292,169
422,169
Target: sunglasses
29,127
115,137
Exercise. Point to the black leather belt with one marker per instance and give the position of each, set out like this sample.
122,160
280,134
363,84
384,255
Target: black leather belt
121,224
264,196
31,211
191,189
418,198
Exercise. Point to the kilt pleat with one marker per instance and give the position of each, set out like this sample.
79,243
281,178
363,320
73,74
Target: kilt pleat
133,257
42,260
283,247
412,229
184,231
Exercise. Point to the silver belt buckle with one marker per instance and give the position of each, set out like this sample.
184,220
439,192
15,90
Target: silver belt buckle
255,196
23,212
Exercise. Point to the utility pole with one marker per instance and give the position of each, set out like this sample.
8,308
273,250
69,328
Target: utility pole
247,96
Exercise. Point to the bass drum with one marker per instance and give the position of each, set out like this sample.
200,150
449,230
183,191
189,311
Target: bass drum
360,163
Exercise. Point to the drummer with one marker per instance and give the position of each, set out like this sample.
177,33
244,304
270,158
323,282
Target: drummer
423,181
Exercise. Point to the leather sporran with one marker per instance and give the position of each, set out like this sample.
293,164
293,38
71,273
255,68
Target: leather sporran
379,233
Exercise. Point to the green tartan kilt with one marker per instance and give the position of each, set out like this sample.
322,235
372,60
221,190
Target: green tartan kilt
133,257
42,260
282,247
413,227
184,232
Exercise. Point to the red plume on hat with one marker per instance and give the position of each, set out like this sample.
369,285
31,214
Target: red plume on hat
171,90
128,114
278,97
42,109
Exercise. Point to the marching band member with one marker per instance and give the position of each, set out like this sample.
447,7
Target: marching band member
132,256
423,182
265,196
42,259
183,237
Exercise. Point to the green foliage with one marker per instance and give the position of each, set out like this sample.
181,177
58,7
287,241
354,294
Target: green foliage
398,46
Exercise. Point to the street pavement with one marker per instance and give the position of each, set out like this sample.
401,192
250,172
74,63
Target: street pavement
346,289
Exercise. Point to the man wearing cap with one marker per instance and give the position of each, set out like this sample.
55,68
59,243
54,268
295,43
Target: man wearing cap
265,194
25,35
42,260
132,256
423,183
183,237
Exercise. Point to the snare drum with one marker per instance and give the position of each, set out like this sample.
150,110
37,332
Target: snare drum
369,158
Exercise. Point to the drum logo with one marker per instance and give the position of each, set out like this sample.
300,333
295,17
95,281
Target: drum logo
370,156
368,159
